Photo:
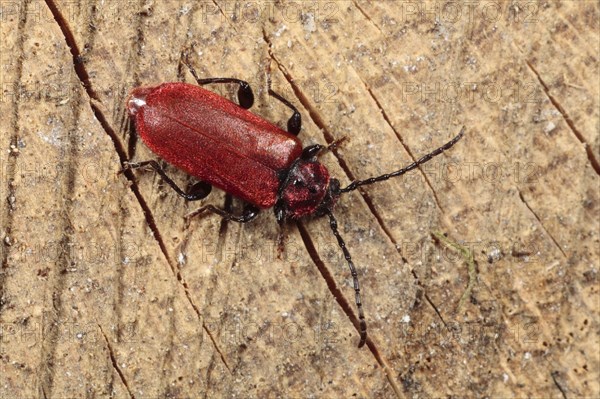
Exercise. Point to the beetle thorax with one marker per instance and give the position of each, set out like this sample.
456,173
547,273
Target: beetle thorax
305,190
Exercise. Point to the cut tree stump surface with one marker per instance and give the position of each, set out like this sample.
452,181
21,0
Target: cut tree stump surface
106,291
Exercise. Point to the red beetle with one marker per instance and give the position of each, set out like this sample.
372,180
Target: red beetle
223,144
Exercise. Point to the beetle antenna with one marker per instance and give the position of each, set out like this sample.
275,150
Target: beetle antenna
361,316
357,183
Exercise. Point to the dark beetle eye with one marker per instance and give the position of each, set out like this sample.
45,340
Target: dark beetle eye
298,183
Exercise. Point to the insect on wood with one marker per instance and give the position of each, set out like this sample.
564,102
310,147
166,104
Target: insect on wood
223,144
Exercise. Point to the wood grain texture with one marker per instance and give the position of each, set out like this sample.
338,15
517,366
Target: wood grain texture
107,292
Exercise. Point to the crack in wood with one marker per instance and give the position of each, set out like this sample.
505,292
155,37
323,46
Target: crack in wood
435,308
367,16
588,148
224,15
554,374
115,364
541,224
73,48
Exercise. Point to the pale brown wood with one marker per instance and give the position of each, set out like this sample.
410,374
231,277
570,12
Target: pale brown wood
107,291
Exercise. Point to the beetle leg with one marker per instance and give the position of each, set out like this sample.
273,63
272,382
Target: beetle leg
250,212
198,191
295,122
245,95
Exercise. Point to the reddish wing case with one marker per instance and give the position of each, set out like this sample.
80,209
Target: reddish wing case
214,139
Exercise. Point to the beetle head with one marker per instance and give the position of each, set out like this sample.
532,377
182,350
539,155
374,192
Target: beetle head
306,189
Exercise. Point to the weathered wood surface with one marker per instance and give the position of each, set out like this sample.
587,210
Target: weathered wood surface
106,291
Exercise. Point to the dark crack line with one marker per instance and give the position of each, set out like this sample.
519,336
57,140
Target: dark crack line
75,52
427,298
205,328
570,123
435,308
83,76
406,148
115,364
217,348
225,16
423,288
560,388
120,150
367,16
343,303
541,224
